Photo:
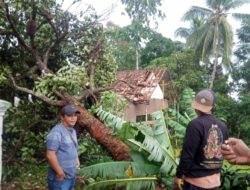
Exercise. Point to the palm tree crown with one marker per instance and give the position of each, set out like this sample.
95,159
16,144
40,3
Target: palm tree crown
214,38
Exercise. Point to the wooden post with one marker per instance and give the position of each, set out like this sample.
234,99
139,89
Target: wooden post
4,105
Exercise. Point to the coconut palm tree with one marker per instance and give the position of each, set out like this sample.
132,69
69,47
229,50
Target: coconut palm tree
214,38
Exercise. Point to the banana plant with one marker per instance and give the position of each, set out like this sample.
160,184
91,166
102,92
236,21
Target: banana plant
177,121
153,156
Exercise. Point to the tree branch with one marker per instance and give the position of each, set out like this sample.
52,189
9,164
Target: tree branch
33,50
16,34
41,121
4,32
88,92
48,17
40,96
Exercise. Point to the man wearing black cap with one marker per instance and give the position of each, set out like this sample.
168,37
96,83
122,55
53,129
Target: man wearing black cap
62,152
201,158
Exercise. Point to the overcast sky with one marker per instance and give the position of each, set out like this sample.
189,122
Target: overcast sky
173,10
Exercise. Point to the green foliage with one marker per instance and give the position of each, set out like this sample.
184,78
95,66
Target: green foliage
146,183
106,170
95,53
182,66
5,71
23,145
141,13
235,177
136,174
110,120
30,177
243,124
241,70
186,32
105,71
178,120
113,103
154,140
157,46
68,79
123,47
187,98
236,115
90,152
22,141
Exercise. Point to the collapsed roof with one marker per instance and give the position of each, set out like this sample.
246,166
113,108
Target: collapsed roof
138,85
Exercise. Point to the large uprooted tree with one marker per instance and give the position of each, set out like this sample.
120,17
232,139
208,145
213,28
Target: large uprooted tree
51,55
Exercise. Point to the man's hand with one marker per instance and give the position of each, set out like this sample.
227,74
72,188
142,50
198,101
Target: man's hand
178,182
52,159
60,176
236,151
78,164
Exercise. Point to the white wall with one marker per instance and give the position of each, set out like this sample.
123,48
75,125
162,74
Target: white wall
157,94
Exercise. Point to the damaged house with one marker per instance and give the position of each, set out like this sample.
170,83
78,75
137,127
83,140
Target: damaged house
147,91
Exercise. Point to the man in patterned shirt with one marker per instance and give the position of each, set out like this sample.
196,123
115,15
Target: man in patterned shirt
201,158
62,151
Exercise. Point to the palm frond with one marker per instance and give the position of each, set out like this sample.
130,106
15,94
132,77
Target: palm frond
241,16
197,12
207,43
182,32
196,39
227,37
145,183
213,4
215,40
234,4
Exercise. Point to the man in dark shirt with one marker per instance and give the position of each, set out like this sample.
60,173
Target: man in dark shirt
201,159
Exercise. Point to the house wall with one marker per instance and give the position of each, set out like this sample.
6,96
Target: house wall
144,109
130,113
157,94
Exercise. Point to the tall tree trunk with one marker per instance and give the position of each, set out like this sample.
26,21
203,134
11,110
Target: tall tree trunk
137,58
103,135
214,72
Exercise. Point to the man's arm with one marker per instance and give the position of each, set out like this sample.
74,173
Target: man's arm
236,151
53,162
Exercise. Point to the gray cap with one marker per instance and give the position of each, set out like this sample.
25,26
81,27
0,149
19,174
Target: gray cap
69,110
204,100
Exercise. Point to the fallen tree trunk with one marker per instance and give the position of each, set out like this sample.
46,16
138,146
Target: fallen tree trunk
97,130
